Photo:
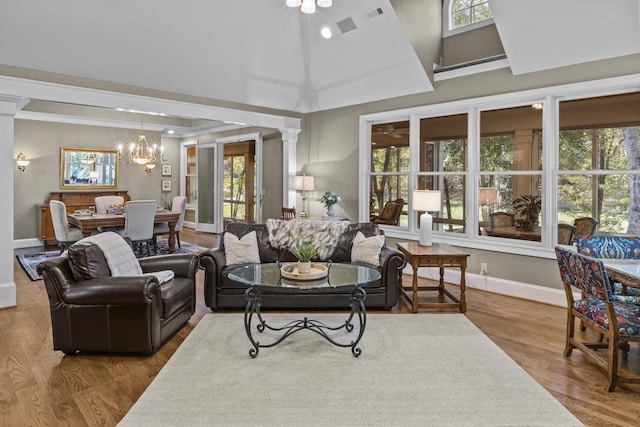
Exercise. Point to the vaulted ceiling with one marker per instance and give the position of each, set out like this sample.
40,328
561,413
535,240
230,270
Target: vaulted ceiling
262,53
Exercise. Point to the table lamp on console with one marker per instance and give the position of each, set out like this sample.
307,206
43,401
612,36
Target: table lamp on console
303,184
426,201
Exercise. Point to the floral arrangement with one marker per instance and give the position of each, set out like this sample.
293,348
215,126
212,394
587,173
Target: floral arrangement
329,198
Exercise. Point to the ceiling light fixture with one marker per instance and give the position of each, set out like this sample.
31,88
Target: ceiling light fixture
326,32
309,6
142,152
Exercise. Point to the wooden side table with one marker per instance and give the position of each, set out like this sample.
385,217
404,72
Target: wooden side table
439,255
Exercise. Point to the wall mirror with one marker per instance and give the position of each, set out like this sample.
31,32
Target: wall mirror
82,168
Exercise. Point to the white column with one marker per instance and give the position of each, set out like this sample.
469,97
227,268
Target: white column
8,109
289,166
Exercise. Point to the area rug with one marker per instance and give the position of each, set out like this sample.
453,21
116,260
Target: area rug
414,370
29,259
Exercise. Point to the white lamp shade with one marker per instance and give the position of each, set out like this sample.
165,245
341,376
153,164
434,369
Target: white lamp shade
308,6
325,3
426,200
294,3
303,183
488,195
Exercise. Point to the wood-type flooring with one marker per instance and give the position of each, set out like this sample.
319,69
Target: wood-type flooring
39,386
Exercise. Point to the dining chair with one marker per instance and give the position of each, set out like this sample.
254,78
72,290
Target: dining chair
65,234
611,247
138,223
288,213
616,317
585,226
390,213
565,234
102,204
178,205
502,219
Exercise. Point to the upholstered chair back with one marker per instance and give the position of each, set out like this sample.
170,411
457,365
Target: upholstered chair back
64,234
104,202
179,205
620,247
584,273
140,215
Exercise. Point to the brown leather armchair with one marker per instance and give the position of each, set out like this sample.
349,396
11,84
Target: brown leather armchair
94,312
390,213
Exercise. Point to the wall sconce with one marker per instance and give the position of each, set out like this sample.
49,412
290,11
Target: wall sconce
303,183
426,201
148,168
22,162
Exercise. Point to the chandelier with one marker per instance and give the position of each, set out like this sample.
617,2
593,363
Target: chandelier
142,151
308,6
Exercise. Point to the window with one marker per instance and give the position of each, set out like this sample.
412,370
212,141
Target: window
542,157
599,162
511,168
389,166
443,159
462,15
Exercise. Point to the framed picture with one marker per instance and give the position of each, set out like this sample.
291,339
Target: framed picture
166,170
166,185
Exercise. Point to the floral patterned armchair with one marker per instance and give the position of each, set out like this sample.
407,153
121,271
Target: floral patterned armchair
616,317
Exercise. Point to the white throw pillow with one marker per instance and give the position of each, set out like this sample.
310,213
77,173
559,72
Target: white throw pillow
367,249
241,251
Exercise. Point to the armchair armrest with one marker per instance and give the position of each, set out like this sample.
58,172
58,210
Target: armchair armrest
113,290
392,262
183,265
213,261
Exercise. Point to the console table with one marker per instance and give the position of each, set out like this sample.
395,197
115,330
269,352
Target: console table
439,255
73,200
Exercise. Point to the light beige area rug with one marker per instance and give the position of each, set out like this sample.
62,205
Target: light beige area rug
414,370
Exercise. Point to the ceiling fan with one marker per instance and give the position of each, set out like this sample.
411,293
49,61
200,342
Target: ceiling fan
390,130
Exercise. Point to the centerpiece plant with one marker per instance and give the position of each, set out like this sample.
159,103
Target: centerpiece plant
304,253
527,210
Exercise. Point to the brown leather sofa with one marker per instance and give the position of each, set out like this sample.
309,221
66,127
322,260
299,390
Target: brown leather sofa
94,312
221,292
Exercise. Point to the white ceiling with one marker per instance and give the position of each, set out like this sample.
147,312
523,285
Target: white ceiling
262,53
545,34
257,52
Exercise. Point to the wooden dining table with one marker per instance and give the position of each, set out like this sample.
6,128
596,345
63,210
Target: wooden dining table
89,223
511,232
623,271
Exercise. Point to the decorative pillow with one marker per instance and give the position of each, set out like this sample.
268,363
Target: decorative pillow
241,251
367,249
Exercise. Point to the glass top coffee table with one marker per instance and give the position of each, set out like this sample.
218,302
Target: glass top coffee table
269,278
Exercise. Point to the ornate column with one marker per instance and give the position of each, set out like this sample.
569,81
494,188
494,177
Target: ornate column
8,108
289,140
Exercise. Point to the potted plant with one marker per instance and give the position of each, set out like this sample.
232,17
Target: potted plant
527,209
304,253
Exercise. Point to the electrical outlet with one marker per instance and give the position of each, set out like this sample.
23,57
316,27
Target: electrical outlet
483,268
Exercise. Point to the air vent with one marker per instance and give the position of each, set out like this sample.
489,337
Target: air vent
373,13
346,25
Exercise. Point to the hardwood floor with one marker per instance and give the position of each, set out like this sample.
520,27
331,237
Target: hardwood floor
41,387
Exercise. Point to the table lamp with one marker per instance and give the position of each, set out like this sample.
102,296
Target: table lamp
303,184
426,201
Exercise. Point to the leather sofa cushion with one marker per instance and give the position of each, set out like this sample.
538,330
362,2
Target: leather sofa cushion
87,262
175,295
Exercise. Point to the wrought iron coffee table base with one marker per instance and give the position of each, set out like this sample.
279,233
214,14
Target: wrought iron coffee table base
254,302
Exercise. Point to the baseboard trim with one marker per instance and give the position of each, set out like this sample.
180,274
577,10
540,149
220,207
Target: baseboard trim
7,295
494,284
27,243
